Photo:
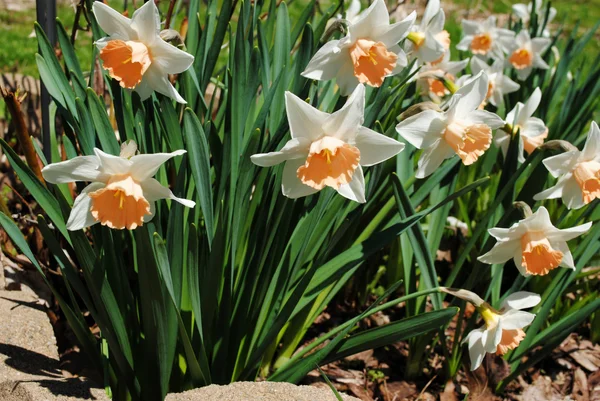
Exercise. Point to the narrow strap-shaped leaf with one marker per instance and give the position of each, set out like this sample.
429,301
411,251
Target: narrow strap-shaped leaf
40,193
199,154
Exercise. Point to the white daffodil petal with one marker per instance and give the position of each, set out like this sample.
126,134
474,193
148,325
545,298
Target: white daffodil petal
170,59
374,16
344,123
154,190
500,233
375,148
571,195
148,217
346,80
561,164
436,24
432,158
470,27
396,32
539,45
487,118
531,105
432,49
500,253
431,10
521,12
534,127
516,319
113,22
471,95
291,186
476,349
591,149
423,129
508,85
538,221
296,148
80,216
502,140
146,165
524,73
552,192
143,89
518,260
568,234
489,337
146,21
464,45
521,300
567,259
305,121
112,165
355,190
327,62
80,168
158,80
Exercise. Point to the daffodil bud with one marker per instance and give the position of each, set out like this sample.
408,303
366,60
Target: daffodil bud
171,36
559,144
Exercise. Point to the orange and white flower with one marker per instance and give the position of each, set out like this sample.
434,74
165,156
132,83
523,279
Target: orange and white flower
503,329
526,54
122,191
578,173
532,130
367,55
428,41
535,244
431,77
461,130
134,53
328,150
485,39
498,83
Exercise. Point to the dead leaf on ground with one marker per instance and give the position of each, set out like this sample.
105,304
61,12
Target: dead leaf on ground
360,392
398,391
541,390
449,393
581,390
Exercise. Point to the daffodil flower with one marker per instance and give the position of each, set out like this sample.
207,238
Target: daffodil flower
526,54
535,244
428,41
524,11
134,53
485,39
532,130
367,55
461,130
503,329
328,150
122,191
431,77
578,173
498,83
